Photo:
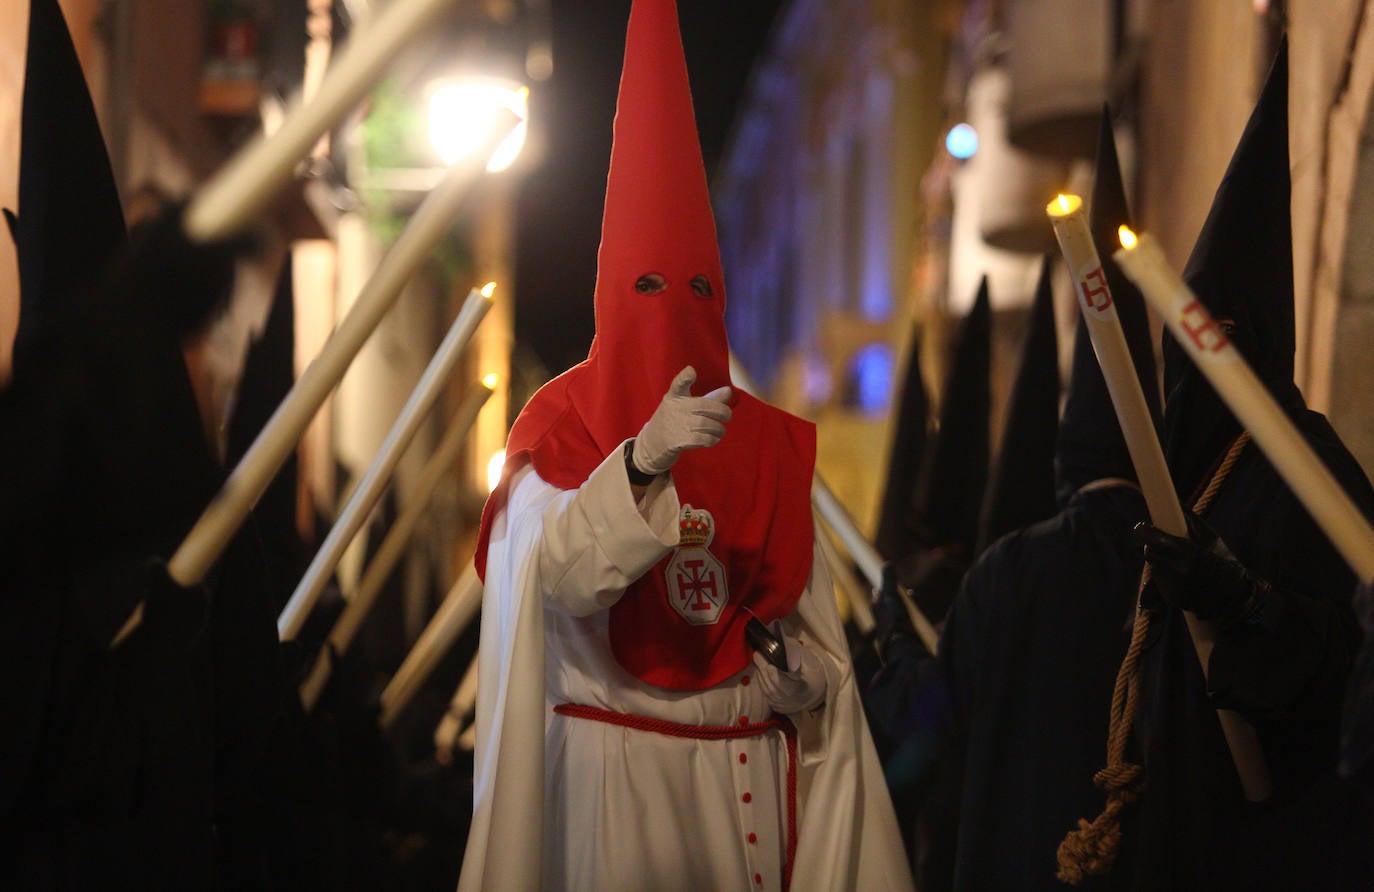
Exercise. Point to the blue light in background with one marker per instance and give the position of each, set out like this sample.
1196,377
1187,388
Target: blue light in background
871,377
962,141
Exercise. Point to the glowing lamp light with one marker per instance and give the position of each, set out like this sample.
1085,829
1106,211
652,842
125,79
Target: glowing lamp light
489,380
461,111
961,141
1063,205
495,465
488,289
1128,239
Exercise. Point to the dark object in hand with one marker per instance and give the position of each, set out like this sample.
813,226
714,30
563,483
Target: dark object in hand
766,643
1200,574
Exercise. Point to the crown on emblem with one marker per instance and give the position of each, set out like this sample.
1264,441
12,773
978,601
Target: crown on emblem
695,527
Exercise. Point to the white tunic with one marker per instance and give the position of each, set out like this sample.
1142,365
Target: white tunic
628,809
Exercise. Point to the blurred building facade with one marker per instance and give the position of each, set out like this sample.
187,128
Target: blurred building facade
844,217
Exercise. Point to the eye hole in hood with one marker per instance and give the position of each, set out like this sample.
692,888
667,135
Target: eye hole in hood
650,283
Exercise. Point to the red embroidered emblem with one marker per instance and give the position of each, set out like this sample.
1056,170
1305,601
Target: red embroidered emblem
696,579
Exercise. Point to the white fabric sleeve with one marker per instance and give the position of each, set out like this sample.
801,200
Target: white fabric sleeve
595,540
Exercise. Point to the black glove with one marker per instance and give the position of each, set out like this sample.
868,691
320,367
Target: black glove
174,615
893,635
1201,575
110,590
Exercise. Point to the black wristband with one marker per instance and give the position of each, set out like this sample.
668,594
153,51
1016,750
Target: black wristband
637,477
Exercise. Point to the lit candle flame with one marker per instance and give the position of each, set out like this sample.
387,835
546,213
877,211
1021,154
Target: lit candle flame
489,380
488,289
1063,205
1128,239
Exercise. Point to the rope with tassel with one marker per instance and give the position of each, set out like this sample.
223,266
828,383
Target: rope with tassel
1091,848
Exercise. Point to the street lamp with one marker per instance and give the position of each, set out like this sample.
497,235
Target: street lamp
462,109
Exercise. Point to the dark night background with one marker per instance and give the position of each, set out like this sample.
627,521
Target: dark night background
558,213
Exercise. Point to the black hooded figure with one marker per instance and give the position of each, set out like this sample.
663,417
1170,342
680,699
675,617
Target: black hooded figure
1021,486
1277,591
107,775
940,528
906,700
268,376
115,470
56,180
68,203
1032,644
949,488
929,518
954,471
896,536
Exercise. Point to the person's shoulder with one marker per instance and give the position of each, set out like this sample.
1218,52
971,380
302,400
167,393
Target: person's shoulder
1317,429
1037,539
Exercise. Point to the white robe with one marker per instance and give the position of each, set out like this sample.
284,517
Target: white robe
572,803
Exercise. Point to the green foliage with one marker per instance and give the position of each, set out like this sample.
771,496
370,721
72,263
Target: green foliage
393,131
394,137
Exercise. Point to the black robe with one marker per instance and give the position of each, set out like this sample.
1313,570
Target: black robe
113,760
1192,827
1031,651
1284,669
106,469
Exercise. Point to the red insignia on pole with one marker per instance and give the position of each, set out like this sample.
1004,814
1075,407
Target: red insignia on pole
1096,295
1202,329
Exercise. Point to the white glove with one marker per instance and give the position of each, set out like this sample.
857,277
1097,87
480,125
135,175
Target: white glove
681,421
799,690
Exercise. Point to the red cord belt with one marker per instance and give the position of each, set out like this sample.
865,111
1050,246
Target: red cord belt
712,732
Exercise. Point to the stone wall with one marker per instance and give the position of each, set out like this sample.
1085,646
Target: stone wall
1333,212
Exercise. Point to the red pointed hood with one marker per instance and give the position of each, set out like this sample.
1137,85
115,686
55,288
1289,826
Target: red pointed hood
657,222
660,306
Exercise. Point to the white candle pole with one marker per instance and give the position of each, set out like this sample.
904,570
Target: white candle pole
446,733
1142,442
222,518
847,531
374,480
239,191
1233,379
459,607
828,508
393,546
1109,344
849,586
225,514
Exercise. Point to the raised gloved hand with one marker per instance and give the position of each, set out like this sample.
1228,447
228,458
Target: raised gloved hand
1201,574
798,690
681,422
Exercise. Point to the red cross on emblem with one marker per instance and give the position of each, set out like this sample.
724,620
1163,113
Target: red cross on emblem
699,584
